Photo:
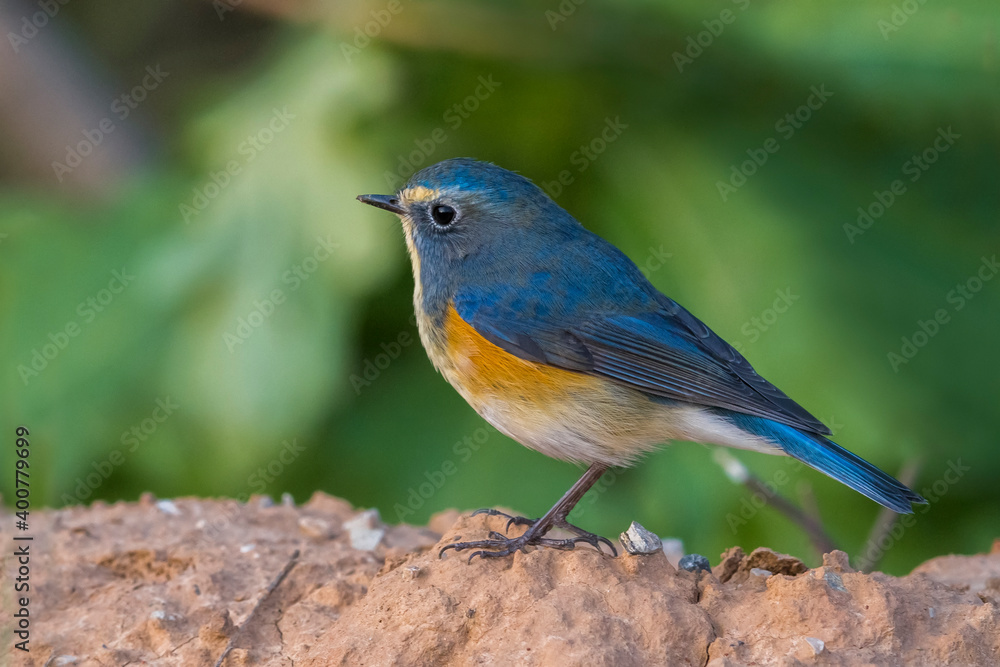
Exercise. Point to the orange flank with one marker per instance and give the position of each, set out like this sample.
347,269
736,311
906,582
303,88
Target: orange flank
563,414
485,370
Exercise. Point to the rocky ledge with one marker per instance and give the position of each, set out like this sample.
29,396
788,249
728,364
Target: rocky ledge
193,582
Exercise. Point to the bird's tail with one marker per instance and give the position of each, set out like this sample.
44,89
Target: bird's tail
834,461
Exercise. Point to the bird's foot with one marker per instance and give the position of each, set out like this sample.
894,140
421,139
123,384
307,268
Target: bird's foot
499,545
511,520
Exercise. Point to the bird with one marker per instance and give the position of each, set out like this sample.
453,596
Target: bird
556,338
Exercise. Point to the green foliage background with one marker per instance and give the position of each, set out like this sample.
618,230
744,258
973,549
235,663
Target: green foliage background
361,105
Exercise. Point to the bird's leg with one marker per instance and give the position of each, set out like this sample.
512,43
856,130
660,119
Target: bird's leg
500,545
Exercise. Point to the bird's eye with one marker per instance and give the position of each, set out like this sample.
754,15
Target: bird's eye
443,214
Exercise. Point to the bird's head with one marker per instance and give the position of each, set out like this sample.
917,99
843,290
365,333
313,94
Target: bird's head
464,215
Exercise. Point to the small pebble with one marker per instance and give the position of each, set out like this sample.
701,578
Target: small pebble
168,507
412,571
817,644
246,548
638,540
760,572
365,530
834,581
315,527
65,660
161,615
287,499
265,502
694,562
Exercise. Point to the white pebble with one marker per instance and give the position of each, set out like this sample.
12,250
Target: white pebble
365,530
168,507
638,540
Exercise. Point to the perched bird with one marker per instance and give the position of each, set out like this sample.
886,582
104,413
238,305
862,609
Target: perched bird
556,338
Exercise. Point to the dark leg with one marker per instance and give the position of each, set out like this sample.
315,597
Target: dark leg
537,528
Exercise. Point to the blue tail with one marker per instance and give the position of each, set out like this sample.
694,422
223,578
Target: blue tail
833,460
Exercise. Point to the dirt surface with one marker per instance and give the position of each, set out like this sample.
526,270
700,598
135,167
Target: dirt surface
184,582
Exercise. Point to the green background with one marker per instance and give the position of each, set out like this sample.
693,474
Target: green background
352,108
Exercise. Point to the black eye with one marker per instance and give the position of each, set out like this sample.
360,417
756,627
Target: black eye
443,214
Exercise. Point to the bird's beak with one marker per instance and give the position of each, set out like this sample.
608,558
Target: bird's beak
388,202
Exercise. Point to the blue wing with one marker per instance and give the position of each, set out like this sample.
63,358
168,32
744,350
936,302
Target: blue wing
649,343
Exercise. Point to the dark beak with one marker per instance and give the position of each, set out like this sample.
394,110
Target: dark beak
388,202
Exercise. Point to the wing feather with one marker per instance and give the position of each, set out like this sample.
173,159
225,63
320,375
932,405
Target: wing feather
665,352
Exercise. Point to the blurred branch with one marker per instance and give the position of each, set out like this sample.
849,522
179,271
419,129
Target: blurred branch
886,519
808,501
53,93
740,474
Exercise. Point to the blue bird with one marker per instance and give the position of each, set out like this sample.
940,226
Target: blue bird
556,338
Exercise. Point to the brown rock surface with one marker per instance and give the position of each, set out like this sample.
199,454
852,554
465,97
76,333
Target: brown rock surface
177,582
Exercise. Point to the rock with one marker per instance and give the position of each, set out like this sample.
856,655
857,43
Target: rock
365,530
638,540
978,573
817,644
315,527
126,583
694,563
736,566
168,507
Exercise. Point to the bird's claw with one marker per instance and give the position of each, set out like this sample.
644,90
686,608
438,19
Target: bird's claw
499,545
511,519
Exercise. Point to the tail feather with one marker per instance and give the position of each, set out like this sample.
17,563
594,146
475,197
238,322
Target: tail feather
834,461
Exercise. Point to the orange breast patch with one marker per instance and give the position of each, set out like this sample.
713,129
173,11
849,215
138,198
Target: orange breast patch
486,370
